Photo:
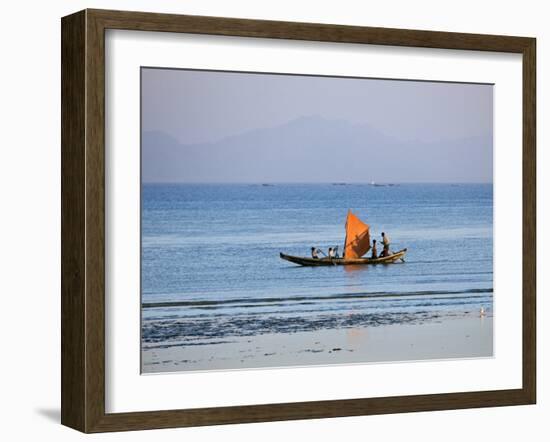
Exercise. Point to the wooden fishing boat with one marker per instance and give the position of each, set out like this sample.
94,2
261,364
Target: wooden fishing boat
356,245
305,261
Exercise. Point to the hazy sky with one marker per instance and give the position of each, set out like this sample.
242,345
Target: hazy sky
196,107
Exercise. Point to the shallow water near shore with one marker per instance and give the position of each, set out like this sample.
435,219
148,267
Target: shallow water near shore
212,276
461,337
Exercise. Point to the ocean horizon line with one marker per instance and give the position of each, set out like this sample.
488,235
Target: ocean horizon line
335,183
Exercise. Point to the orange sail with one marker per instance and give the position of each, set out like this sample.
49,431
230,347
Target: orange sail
357,237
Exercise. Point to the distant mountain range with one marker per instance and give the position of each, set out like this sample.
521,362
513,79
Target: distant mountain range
315,149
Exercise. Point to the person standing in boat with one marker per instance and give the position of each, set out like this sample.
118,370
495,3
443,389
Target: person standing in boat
374,251
386,244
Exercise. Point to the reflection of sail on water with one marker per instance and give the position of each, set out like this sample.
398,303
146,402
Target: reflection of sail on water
357,241
357,336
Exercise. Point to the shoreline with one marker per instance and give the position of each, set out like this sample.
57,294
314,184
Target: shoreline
449,338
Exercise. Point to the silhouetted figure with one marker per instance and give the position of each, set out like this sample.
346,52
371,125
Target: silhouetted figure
374,251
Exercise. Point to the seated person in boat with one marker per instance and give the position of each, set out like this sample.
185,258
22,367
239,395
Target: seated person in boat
315,253
386,244
374,251
330,252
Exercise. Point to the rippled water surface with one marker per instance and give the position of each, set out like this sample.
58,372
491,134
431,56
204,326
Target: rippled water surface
211,266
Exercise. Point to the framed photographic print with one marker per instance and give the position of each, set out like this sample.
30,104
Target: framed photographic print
271,220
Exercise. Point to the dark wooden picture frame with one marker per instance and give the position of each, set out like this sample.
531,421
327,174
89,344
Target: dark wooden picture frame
83,220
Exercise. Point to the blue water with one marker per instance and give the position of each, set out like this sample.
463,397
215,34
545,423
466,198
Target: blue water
211,266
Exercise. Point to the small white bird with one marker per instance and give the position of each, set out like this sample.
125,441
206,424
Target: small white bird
481,312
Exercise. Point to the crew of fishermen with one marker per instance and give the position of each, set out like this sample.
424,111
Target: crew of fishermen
333,251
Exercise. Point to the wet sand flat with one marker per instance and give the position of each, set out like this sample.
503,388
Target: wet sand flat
461,337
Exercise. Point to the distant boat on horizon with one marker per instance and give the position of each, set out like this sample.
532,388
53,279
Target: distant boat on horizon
374,184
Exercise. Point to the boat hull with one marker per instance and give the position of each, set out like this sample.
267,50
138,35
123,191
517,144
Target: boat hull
313,262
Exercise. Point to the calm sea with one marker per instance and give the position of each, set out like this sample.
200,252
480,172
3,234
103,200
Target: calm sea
211,267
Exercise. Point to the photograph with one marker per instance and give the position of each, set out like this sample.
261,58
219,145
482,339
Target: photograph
292,220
